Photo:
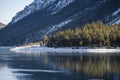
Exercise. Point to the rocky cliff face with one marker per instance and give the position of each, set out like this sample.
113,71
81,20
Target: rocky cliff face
43,17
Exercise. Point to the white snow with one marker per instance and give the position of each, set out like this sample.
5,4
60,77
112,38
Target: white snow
114,18
35,70
43,3
117,22
39,49
57,26
116,12
60,5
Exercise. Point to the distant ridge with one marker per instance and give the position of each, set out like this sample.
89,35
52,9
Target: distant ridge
2,25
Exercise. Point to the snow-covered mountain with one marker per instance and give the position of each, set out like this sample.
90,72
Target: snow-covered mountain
2,25
39,5
43,17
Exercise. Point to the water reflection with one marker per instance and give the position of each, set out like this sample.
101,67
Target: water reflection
53,66
90,65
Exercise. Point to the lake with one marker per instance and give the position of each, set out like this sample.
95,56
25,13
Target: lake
58,66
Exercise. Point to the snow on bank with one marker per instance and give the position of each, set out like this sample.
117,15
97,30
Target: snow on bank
36,70
38,49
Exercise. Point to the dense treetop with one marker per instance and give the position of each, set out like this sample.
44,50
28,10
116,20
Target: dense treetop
92,35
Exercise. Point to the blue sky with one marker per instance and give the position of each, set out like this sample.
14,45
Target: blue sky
8,9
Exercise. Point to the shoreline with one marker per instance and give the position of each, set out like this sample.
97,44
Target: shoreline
38,49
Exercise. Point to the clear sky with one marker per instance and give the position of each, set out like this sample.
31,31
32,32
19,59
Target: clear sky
8,9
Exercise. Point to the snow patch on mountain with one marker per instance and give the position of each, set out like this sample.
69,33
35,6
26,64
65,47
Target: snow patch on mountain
39,35
57,26
117,22
60,5
43,3
116,12
114,18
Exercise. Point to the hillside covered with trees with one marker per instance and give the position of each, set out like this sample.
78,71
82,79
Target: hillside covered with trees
90,35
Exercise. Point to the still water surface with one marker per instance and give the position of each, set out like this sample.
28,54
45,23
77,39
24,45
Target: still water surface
62,66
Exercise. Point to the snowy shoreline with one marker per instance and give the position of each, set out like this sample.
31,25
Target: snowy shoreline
38,49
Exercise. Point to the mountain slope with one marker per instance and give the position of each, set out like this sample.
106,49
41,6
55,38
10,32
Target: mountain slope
2,25
44,17
39,5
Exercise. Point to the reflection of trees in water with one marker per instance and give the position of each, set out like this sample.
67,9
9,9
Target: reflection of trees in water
90,65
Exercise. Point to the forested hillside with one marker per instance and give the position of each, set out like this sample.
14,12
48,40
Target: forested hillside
92,35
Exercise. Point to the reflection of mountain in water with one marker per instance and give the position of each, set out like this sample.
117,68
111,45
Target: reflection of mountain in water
90,65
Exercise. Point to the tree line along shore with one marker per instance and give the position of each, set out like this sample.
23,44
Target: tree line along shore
95,34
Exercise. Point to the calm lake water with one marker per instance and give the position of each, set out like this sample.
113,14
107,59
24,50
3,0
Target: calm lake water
58,66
